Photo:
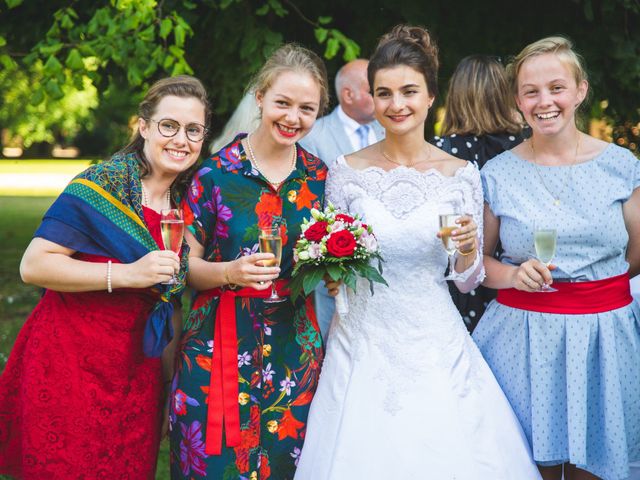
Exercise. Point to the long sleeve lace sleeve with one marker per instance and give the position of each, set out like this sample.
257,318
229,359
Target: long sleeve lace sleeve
473,202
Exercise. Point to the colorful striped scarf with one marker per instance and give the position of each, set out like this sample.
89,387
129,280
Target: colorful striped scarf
100,213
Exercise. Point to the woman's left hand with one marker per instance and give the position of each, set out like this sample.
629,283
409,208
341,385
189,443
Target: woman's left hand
332,286
465,236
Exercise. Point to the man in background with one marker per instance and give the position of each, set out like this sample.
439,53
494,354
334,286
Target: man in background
348,128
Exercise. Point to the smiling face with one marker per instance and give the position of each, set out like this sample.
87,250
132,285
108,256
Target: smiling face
401,99
289,107
548,94
172,155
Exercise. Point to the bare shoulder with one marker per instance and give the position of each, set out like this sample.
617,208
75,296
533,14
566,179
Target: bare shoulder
592,147
446,163
362,158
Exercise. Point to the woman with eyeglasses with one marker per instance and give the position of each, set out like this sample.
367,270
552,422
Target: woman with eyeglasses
81,394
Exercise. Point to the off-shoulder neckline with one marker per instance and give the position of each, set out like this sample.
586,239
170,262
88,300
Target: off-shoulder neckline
429,171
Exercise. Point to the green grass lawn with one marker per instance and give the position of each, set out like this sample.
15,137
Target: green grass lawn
19,217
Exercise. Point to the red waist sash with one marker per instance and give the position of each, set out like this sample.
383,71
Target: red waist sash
574,298
223,384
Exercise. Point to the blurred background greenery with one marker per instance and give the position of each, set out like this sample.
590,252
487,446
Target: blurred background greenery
72,73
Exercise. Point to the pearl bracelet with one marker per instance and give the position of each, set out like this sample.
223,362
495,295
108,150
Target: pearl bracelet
109,289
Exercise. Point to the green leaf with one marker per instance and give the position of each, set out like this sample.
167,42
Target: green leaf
53,89
263,10
332,48
168,61
37,97
251,233
225,3
176,51
277,7
350,280
151,69
13,3
165,28
74,60
324,20
3,41
311,279
334,271
148,34
7,62
321,34
179,34
351,50
133,75
52,66
189,5
66,22
50,49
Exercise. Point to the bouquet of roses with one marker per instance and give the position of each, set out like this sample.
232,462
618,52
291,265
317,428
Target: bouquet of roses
337,245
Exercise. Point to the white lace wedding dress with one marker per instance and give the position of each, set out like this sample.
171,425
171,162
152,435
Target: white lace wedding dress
404,391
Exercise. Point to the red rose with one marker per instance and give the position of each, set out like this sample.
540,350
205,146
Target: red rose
341,244
345,218
316,231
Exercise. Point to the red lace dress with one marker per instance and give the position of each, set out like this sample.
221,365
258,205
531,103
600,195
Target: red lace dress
78,399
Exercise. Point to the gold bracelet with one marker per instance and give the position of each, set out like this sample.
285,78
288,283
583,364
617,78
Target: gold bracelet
464,254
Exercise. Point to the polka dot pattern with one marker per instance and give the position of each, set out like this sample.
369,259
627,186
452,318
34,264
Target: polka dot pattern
573,380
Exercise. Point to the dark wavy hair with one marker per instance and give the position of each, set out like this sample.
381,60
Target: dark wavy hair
410,46
184,86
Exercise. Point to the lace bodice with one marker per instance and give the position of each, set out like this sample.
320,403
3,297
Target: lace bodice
413,321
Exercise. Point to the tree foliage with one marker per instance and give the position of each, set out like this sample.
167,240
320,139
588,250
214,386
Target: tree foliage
53,51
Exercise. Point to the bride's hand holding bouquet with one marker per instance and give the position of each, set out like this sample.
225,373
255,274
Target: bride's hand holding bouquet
337,247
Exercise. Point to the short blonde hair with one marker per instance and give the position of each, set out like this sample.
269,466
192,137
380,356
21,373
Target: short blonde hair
479,100
560,46
292,57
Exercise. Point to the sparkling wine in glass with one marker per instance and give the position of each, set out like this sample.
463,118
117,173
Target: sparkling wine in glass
447,225
544,241
172,228
270,241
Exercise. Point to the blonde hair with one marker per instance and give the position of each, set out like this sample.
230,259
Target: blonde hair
479,100
560,46
292,57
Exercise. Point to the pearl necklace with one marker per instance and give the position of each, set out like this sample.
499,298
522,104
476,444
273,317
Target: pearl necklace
566,184
408,165
145,198
254,162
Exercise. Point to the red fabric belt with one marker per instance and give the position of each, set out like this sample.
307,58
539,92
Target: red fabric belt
223,384
572,297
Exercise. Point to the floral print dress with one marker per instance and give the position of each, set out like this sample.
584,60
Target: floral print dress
279,347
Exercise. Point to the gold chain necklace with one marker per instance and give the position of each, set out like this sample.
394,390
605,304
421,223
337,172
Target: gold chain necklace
566,185
408,165
145,198
254,161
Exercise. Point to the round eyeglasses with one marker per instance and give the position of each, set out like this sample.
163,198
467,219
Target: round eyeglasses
170,128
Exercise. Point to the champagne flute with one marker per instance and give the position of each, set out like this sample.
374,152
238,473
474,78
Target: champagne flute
172,228
447,225
270,241
544,241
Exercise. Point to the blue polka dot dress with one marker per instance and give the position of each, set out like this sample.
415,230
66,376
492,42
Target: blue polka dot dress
573,380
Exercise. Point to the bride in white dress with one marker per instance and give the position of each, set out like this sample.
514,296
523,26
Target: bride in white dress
404,392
